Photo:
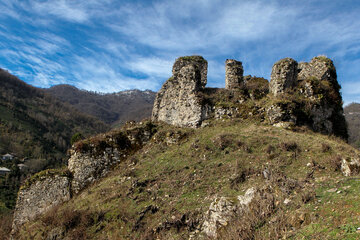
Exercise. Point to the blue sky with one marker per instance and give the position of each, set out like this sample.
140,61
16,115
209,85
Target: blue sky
108,45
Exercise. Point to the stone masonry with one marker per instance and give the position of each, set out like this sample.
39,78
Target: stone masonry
198,61
178,101
233,74
283,76
316,83
39,197
88,166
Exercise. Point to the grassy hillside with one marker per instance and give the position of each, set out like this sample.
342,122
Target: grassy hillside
164,190
113,108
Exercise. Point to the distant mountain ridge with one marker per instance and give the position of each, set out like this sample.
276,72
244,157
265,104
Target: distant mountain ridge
112,108
37,127
35,124
352,115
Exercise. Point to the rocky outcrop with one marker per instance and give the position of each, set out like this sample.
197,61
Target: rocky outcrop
223,211
281,115
93,158
233,74
220,212
283,76
178,101
43,191
350,166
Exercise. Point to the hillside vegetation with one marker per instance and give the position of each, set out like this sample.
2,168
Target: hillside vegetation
165,189
114,108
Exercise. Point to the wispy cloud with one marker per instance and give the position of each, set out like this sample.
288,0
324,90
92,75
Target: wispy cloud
68,10
108,45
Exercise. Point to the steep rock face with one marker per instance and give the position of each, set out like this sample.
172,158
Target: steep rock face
283,76
233,74
39,196
93,158
86,168
281,113
178,102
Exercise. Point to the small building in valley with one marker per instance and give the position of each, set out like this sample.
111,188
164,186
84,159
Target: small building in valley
4,170
7,156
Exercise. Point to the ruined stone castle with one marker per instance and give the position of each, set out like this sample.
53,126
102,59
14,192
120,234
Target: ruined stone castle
298,94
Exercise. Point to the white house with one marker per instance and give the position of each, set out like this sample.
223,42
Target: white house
7,156
4,170
22,167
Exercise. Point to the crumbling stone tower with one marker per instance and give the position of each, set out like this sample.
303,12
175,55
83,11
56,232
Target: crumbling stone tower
316,98
233,74
283,75
178,101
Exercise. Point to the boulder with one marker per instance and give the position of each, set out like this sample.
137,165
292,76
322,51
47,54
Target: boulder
220,212
224,211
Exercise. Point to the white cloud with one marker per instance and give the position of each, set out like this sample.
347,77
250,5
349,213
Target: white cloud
67,10
151,66
95,75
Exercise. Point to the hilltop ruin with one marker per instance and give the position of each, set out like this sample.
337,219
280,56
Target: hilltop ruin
297,94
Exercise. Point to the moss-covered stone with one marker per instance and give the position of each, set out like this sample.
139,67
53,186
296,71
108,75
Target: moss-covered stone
194,58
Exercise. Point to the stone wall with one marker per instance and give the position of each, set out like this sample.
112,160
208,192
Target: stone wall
178,102
46,190
233,74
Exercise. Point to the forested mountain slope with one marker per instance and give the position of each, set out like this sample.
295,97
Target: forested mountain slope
352,115
112,108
